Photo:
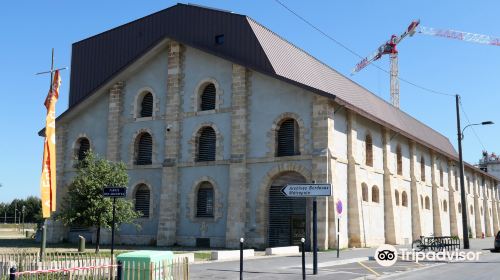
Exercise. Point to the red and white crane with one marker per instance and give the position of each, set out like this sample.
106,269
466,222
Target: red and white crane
389,47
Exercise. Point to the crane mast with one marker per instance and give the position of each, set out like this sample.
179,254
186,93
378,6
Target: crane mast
389,47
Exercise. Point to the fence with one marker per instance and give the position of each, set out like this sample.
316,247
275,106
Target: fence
79,266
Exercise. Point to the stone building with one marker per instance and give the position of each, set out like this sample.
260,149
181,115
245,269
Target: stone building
213,113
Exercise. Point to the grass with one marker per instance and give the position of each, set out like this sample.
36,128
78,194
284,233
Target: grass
202,256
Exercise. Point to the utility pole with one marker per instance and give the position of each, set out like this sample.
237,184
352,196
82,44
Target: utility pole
465,225
460,136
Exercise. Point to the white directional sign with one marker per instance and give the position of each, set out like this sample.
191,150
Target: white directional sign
307,190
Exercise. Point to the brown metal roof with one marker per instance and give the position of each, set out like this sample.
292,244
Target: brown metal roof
98,59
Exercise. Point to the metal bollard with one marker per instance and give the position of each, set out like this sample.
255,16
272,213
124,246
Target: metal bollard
81,244
241,257
12,275
119,270
303,245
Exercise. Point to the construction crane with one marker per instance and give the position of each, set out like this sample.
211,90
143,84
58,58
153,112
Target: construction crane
389,47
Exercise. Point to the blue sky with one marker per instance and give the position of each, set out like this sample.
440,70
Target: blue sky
30,29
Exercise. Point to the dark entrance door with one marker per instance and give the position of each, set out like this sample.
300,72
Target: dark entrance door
287,218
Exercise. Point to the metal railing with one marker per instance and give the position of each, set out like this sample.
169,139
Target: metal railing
439,243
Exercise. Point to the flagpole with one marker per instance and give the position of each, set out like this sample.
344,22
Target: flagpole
43,244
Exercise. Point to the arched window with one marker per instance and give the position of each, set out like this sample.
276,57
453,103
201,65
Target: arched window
144,149
142,200
375,194
445,206
368,150
441,176
471,210
205,201
404,199
427,203
147,105
456,181
421,202
364,192
396,195
459,207
287,141
83,147
206,144
399,160
207,97
422,168
482,212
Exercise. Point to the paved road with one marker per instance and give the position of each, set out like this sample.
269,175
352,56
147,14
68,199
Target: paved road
290,267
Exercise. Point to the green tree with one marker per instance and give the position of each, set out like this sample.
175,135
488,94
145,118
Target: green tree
85,205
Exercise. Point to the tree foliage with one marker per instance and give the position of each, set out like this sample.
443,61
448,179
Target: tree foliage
32,210
85,205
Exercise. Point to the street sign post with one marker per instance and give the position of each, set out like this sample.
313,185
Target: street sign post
310,190
339,212
114,192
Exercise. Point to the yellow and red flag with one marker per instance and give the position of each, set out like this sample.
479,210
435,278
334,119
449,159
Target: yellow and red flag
48,180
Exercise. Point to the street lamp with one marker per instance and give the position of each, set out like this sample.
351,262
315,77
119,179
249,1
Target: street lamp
460,135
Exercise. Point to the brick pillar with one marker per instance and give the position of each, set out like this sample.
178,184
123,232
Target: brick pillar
322,112
238,186
452,206
388,190
354,225
114,115
416,226
169,206
477,207
436,205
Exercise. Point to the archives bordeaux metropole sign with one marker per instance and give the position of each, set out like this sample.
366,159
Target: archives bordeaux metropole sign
307,190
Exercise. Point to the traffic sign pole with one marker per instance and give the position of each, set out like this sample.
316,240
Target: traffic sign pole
315,236
338,236
310,190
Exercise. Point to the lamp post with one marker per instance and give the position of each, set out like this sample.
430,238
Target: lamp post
460,135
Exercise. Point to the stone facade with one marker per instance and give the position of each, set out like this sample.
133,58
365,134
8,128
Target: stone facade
385,200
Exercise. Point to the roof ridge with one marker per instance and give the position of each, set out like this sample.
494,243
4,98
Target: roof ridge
347,78
155,13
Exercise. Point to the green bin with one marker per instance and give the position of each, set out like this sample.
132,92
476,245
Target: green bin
147,265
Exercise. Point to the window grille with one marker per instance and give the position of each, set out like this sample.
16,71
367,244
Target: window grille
142,200
205,201
206,144
144,149
147,105
287,142
208,98
84,147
